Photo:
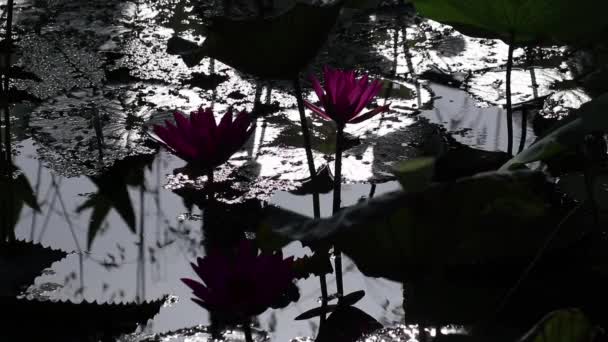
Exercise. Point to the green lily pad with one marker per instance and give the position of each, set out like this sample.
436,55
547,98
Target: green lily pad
474,218
568,325
521,21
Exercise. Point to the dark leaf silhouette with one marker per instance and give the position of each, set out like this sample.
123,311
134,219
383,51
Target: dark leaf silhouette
17,96
277,47
114,193
84,320
486,214
21,262
347,324
16,72
568,325
348,300
16,192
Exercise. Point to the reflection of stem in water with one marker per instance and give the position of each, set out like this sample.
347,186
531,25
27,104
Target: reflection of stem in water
509,104
524,130
35,212
157,198
141,257
65,214
48,216
98,130
211,73
336,204
524,112
498,130
71,227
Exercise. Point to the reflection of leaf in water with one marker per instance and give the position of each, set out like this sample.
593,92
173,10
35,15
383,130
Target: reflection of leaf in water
16,192
21,262
277,47
113,193
86,320
66,130
489,86
565,135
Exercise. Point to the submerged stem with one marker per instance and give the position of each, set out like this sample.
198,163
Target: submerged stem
324,296
509,103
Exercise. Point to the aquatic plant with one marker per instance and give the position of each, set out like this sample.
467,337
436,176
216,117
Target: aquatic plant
200,141
343,98
243,284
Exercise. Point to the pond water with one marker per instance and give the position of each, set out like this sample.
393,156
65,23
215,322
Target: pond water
104,73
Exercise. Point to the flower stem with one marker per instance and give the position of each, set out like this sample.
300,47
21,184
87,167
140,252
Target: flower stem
336,206
247,330
307,145
316,203
509,104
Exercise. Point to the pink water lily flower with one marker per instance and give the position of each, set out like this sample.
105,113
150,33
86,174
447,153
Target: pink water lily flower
200,141
241,285
344,96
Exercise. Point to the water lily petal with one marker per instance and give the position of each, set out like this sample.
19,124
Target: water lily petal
317,111
371,91
331,83
316,85
225,123
369,114
201,303
199,290
184,126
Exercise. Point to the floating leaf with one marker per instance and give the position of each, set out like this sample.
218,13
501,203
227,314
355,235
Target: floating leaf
21,262
415,174
347,324
277,47
480,217
86,320
347,300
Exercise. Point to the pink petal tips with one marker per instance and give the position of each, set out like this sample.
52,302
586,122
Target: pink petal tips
199,140
344,96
